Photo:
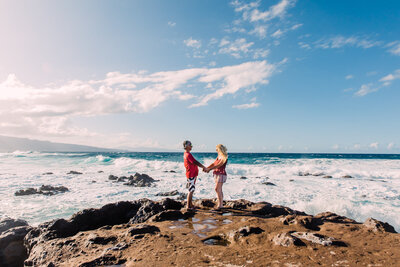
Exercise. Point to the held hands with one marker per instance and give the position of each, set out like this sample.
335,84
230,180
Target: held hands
206,170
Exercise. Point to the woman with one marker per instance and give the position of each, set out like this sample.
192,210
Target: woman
219,172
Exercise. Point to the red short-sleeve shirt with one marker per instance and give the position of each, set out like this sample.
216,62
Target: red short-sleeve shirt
191,168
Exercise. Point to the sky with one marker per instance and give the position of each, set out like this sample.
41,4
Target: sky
257,76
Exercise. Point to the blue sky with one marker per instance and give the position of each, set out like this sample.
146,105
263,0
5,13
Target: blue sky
260,76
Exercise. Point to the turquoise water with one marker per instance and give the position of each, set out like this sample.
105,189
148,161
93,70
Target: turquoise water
374,190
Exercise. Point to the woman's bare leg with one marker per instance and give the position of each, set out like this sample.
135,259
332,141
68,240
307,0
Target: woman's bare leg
220,195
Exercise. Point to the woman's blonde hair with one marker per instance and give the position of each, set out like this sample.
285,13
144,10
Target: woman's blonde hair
222,152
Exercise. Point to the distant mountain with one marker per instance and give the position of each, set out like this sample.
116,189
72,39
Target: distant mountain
11,144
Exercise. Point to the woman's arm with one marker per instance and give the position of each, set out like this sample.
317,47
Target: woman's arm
215,165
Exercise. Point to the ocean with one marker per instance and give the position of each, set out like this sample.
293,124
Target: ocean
374,190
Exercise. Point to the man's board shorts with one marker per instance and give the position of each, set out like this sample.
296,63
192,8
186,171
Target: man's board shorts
219,178
190,185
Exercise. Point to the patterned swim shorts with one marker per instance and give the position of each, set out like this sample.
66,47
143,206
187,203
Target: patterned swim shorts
190,185
219,178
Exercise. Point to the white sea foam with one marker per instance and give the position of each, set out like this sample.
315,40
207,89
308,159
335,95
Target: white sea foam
373,192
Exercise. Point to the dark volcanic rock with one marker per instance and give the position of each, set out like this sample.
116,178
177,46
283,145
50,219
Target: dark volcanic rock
269,210
333,217
168,215
168,194
269,183
204,203
347,176
43,190
100,240
9,223
143,229
47,173
304,174
172,171
74,172
146,210
88,219
318,239
12,249
378,226
308,222
105,260
238,204
242,232
112,177
170,204
327,176
243,178
286,240
140,180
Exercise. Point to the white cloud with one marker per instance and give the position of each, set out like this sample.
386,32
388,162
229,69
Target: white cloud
50,110
391,77
390,146
349,77
374,145
275,11
304,45
341,41
235,78
394,48
277,34
260,53
192,43
246,106
294,27
171,23
236,49
366,89
260,31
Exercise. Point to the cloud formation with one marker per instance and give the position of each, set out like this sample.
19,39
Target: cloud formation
48,110
383,82
192,43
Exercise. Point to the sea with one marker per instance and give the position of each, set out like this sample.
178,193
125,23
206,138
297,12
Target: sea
297,182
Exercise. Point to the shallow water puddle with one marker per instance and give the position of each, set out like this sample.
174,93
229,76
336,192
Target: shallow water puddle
216,241
200,227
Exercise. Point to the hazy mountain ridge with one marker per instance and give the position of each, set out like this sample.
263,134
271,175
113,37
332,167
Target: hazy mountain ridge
11,144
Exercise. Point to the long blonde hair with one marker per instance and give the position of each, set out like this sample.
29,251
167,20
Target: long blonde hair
222,152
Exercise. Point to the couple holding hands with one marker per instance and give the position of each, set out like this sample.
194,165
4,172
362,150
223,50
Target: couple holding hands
218,167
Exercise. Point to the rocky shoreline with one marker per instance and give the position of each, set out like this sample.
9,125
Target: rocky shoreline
149,233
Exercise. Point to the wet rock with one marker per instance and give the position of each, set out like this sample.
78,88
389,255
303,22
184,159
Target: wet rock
286,240
100,240
216,240
317,239
204,203
243,178
112,177
238,204
88,219
118,247
318,174
347,176
307,221
242,232
268,210
74,172
104,260
327,176
12,249
333,217
167,215
269,183
169,194
47,173
170,204
143,229
140,180
291,180
122,179
100,172
378,226
171,171
147,210
43,190
8,223
304,174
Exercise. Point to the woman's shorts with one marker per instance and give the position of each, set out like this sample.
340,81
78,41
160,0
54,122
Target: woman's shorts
220,178
190,185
